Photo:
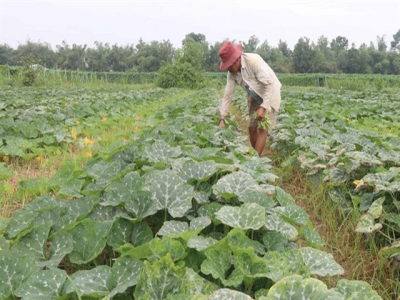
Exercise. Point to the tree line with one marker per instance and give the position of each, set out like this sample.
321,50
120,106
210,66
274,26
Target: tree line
323,56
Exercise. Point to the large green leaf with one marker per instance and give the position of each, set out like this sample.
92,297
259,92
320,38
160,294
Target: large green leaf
197,170
15,269
105,281
366,224
294,287
228,294
217,264
235,185
320,263
193,284
95,282
181,229
293,213
355,289
21,220
89,239
160,151
44,285
120,233
71,188
170,192
128,192
247,216
35,242
161,247
104,171
158,280
274,222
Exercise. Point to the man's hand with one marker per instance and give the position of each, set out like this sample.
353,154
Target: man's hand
261,113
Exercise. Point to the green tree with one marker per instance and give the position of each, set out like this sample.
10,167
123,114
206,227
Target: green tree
395,44
71,58
150,56
41,51
5,54
306,59
251,45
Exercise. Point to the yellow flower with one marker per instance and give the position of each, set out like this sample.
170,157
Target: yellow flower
104,118
357,182
87,141
6,158
0,249
73,134
138,116
38,159
78,122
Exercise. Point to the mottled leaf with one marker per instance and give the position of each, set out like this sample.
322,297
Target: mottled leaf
320,263
247,216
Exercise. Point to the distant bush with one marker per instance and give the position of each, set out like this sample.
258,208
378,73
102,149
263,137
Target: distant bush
180,74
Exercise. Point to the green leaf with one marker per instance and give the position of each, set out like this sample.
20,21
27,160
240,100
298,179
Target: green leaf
355,289
292,213
125,273
193,284
281,264
217,264
170,192
71,188
21,220
376,207
15,269
120,233
141,234
89,240
200,243
294,287
274,222
161,247
158,280
274,241
160,151
228,294
235,185
5,172
313,238
247,216
128,192
104,171
200,171
95,282
258,197
366,224
283,198
181,229
320,263
46,284
338,175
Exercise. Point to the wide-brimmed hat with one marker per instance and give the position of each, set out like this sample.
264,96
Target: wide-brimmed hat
229,53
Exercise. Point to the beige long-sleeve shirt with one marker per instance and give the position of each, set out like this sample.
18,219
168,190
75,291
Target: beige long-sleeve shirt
260,78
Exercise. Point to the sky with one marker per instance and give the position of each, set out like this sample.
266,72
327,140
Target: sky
126,22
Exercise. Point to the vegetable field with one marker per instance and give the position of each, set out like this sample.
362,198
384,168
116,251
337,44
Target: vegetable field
181,209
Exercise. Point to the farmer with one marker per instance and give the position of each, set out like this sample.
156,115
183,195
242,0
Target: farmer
263,88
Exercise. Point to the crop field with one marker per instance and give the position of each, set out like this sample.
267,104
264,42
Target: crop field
135,193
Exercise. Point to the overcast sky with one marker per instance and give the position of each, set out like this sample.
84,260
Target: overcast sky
125,22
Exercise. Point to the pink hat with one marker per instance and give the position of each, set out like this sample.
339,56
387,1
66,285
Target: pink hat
229,53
